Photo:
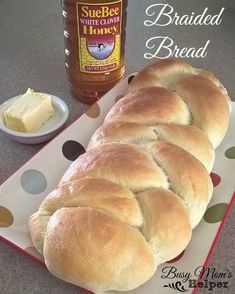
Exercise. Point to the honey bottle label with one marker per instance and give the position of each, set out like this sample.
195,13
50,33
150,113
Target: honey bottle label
99,36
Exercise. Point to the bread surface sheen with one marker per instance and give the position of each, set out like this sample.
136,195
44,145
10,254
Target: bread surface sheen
132,200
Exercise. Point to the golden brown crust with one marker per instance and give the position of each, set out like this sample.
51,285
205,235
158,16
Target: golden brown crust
130,202
190,139
163,73
122,132
92,249
167,227
208,106
187,176
150,106
215,81
187,137
96,193
123,164
37,227
199,89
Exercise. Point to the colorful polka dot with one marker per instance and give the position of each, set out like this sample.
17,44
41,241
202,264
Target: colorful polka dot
6,217
93,111
119,97
130,79
177,257
230,153
33,181
216,179
215,213
72,150
34,252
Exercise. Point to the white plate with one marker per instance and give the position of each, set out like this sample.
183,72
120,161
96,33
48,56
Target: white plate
22,193
46,132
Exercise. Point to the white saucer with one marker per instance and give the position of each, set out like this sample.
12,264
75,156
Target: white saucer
47,131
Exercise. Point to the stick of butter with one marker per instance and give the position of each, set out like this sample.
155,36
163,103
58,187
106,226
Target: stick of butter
29,112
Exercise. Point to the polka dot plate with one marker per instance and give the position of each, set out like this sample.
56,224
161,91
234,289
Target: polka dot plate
22,193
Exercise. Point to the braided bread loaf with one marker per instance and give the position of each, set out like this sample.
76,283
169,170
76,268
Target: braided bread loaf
131,201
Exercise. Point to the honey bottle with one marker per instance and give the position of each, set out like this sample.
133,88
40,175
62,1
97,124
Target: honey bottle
94,35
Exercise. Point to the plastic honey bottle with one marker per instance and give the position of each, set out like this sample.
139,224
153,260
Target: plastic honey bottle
94,35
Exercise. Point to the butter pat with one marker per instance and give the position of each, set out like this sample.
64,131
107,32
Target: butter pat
29,112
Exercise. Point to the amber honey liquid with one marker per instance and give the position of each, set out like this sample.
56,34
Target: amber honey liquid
94,34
